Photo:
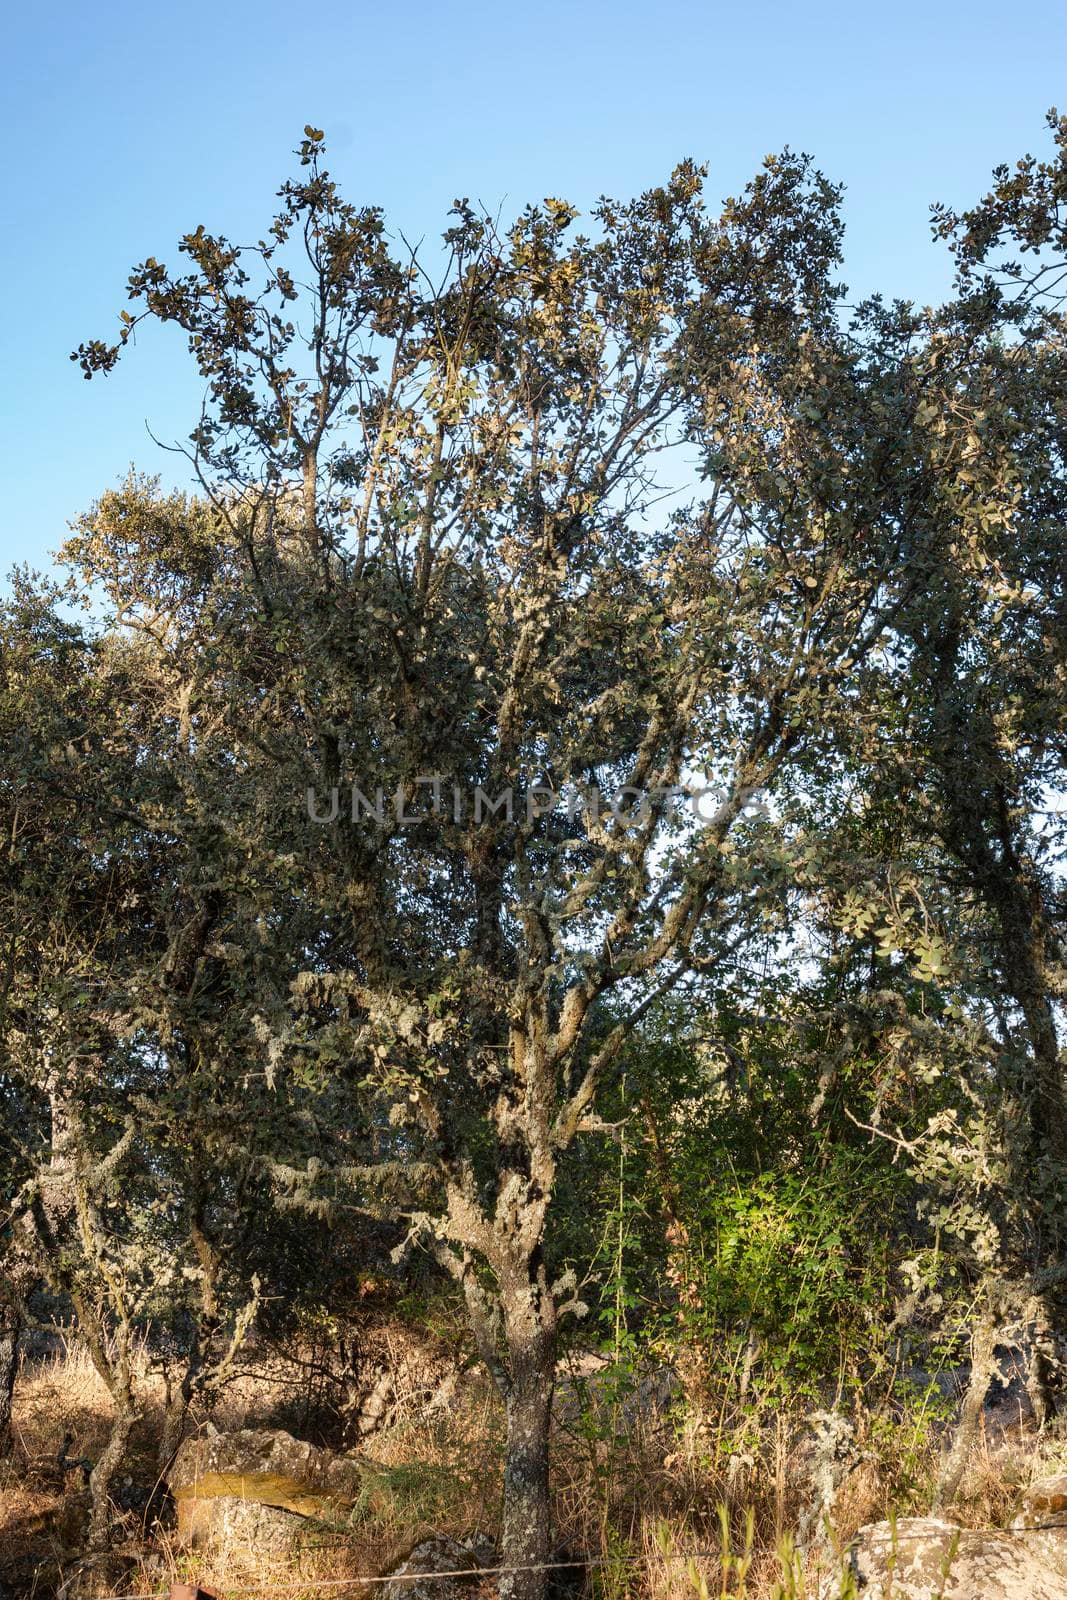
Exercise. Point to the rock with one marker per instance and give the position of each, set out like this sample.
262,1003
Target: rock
230,1521
568,1578
985,1566
593,1387
1043,1515
259,1486
950,1384
1006,1408
441,1555
97,1576
391,1373
70,1520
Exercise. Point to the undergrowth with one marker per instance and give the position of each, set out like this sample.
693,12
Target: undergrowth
660,1500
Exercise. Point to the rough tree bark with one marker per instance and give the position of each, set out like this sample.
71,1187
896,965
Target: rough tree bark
10,1328
103,1474
983,1367
530,1338
111,1351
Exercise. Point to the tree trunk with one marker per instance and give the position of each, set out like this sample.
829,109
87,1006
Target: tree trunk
175,1412
983,1369
10,1327
100,1479
1042,1375
527,1538
114,1365
527,1534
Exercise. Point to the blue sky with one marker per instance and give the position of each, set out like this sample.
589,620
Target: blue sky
128,125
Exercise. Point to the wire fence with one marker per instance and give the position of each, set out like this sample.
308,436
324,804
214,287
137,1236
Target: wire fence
188,1591
192,1591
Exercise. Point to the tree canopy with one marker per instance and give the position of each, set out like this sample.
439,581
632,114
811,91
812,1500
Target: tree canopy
592,664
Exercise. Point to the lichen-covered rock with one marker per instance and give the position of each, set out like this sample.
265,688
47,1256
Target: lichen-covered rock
440,1555
925,1557
1042,1520
259,1486
233,1522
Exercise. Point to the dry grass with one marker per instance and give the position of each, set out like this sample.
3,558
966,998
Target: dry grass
433,1477
628,1491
